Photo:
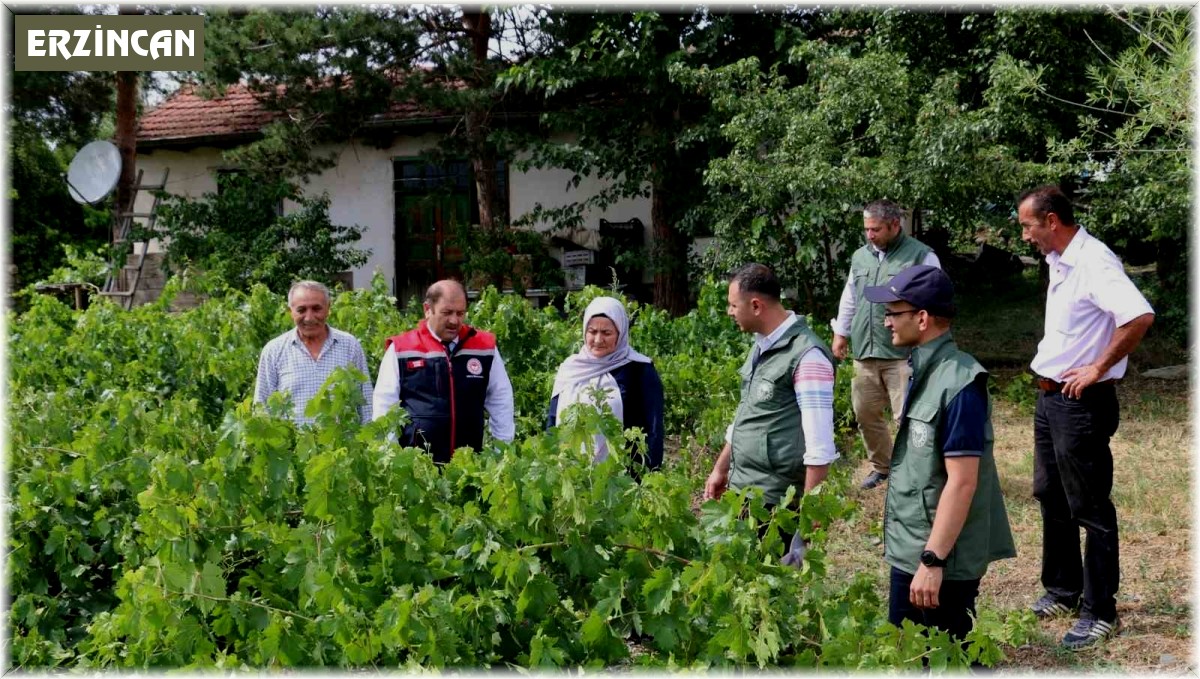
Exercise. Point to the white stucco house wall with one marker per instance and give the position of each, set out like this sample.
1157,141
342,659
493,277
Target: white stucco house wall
188,135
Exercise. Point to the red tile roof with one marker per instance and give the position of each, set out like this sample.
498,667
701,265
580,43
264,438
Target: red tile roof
187,116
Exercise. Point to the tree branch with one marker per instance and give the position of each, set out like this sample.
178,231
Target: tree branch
1087,106
227,600
660,554
1099,49
1139,31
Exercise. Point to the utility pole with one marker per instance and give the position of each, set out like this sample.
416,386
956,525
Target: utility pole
126,138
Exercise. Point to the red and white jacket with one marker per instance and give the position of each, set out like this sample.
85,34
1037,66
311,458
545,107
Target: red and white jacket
445,392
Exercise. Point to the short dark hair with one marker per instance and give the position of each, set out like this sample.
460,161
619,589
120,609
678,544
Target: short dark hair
757,279
1047,199
435,292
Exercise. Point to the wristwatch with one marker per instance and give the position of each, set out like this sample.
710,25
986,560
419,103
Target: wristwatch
931,560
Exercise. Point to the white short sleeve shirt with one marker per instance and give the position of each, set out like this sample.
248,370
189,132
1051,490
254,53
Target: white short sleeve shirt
1089,297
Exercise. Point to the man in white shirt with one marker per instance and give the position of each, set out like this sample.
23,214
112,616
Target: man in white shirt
446,374
881,369
1095,317
782,434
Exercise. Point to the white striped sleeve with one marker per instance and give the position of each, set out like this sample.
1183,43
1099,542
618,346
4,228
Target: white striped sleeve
813,384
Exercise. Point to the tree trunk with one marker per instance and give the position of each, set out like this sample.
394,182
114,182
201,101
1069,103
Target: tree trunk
478,26
670,248
126,140
670,258
126,137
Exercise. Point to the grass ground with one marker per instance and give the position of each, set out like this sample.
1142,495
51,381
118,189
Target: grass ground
1151,490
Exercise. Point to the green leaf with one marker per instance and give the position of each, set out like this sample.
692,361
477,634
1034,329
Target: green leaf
659,589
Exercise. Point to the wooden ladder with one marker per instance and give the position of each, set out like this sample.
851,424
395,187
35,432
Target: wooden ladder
124,227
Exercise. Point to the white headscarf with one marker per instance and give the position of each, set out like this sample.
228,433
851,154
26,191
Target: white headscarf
583,367
582,374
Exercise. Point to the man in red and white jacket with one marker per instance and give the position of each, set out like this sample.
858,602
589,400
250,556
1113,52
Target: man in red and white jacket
445,374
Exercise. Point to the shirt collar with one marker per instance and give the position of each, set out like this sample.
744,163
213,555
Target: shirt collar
439,339
1070,255
765,342
329,337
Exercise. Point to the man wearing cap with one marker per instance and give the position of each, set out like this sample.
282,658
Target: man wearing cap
944,520
880,369
445,374
782,433
1095,316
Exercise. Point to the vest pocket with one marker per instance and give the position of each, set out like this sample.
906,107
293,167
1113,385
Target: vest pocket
771,384
929,503
921,430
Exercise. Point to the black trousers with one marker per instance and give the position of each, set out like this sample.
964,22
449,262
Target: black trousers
956,605
1072,479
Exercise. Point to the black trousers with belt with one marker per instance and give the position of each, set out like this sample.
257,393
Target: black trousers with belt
1072,479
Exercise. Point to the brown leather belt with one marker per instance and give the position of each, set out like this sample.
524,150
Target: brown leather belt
1051,387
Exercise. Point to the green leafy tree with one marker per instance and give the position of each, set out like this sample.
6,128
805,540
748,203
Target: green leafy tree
238,236
44,216
337,71
913,106
52,114
605,82
1134,176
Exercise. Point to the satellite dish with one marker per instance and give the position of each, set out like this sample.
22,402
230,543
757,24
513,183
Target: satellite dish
93,172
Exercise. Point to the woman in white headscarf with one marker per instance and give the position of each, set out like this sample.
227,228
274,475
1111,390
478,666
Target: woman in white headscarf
626,378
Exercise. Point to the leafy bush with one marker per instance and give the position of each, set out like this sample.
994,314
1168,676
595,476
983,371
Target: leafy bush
238,235
43,214
506,256
80,266
160,518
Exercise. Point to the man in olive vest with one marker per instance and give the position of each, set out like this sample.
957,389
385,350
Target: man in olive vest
782,434
944,519
880,369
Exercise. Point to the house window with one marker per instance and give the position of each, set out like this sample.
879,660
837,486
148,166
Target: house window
420,178
433,202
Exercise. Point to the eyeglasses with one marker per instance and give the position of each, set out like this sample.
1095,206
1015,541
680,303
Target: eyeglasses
890,314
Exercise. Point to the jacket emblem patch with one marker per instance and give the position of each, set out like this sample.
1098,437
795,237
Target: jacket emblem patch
416,364
475,367
764,391
919,433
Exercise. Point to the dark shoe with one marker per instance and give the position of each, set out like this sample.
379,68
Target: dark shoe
1048,607
873,479
1087,632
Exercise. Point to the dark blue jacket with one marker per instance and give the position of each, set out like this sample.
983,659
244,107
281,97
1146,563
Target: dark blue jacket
443,392
642,396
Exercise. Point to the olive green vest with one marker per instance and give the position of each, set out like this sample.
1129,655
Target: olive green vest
918,474
768,438
868,337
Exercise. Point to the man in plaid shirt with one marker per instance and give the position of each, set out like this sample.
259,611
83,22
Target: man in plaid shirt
300,360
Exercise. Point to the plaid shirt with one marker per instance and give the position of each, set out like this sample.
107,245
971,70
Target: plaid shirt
285,365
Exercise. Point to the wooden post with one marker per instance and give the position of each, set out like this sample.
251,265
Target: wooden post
126,138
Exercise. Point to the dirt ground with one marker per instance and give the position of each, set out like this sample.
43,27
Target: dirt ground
1152,493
